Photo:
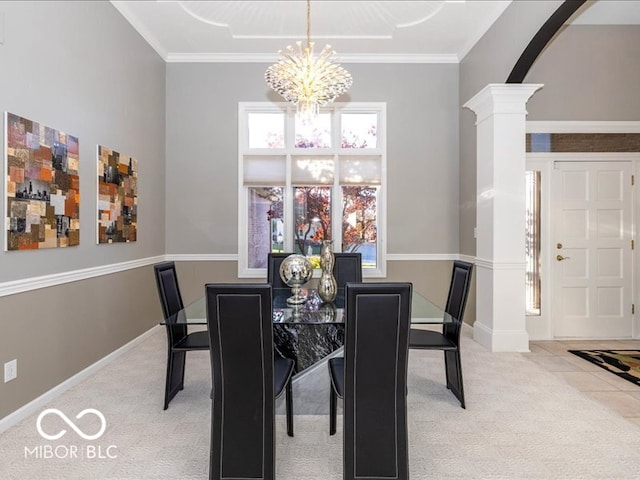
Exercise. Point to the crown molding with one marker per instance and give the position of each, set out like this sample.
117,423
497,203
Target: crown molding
273,57
126,11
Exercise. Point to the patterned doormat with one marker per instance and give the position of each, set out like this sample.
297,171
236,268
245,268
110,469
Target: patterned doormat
624,363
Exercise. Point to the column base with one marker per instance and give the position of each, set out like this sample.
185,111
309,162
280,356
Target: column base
500,340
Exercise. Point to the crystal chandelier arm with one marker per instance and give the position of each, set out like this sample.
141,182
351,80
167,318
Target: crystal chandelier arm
307,81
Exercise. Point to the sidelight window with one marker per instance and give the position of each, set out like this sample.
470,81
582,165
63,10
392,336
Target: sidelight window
532,243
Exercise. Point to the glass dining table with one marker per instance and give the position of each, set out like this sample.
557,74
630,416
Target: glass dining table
309,332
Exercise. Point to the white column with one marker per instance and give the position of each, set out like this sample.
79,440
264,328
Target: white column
500,110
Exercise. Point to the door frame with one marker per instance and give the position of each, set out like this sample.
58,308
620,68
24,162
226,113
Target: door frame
540,327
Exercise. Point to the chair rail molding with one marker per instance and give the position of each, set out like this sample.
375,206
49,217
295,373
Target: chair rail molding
421,257
500,265
35,283
202,257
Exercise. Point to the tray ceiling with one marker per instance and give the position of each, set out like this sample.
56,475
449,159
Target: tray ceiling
360,31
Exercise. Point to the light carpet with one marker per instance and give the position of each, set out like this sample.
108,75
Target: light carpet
521,422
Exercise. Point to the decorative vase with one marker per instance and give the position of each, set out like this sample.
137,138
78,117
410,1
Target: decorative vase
327,285
295,271
327,312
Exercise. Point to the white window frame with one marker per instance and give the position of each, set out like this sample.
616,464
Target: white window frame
244,108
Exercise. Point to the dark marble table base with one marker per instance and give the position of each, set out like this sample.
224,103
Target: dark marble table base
307,344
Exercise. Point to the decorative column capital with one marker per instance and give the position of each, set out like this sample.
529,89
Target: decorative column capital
501,98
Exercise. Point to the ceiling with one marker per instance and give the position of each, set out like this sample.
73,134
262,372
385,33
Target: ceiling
360,31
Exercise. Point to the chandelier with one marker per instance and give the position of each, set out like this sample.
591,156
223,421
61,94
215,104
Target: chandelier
308,82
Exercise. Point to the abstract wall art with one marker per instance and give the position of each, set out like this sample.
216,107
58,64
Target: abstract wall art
117,197
43,187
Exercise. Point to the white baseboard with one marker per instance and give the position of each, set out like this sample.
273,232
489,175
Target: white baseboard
38,403
500,340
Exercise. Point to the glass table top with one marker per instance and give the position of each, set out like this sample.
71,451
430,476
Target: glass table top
314,311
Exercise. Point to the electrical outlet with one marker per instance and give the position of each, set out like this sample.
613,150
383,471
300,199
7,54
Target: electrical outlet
10,370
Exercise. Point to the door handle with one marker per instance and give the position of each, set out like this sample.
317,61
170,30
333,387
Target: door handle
561,258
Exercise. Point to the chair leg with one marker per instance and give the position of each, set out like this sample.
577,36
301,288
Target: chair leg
289,408
333,400
453,368
183,365
167,383
460,384
175,375
447,369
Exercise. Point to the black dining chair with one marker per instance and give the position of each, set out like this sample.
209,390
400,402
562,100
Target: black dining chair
179,339
448,339
246,381
347,268
371,378
274,260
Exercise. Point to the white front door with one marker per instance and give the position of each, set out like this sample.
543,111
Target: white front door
591,266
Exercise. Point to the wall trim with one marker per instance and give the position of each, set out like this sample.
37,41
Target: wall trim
583,157
467,258
145,33
421,257
582,127
35,283
273,57
500,340
391,257
491,265
38,403
204,257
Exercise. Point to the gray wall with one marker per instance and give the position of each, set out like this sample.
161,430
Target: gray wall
202,152
588,72
490,61
80,67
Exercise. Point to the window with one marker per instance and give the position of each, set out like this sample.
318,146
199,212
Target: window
532,243
300,183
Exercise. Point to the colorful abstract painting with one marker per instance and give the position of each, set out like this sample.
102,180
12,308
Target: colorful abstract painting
117,197
43,187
